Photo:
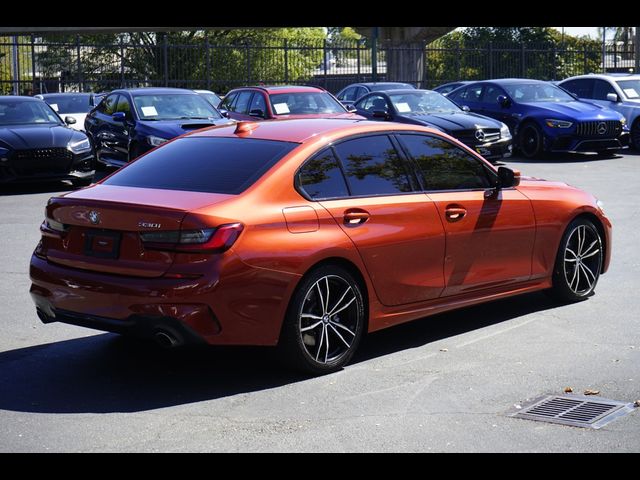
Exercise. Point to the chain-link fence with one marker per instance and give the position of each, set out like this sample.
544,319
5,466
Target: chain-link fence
31,64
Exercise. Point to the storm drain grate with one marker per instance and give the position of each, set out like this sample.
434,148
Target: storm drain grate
574,410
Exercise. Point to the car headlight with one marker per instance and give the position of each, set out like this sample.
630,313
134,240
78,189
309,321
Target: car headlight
80,146
156,141
505,132
555,123
623,121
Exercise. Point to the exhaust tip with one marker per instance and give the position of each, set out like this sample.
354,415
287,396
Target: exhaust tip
166,339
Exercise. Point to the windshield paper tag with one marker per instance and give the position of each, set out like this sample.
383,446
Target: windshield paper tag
403,107
149,111
281,108
631,93
55,105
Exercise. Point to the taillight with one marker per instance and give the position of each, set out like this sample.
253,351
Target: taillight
208,240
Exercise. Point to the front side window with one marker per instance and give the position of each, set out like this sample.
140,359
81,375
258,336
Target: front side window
70,103
372,166
242,104
200,164
491,94
348,95
227,102
108,105
601,89
321,177
124,106
445,166
373,103
258,106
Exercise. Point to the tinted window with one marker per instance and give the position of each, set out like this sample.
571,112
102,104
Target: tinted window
445,166
580,88
360,91
321,177
196,164
372,166
469,94
373,103
601,89
242,104
349,94
491,94
304,103
124,106
258,103
228,100
108,105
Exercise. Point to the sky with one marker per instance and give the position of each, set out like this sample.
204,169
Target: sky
578,31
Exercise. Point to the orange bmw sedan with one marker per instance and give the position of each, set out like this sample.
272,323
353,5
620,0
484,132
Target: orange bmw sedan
307,234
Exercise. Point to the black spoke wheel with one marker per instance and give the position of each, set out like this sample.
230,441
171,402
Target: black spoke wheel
324,322
531,140
578,262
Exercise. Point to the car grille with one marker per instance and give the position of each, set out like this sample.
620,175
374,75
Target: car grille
599,128
468,137
41,161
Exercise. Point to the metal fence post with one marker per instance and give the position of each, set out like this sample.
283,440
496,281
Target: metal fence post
122,82
286,61
636,50
490,53
208,70
166,60
374,54
33,65
555,67
358,45
15,64
248,54
324,62
615,55
79,63
523,69
585,53
458,60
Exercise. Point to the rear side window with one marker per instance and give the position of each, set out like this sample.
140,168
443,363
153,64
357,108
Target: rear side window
197,164
445,166
373,167
321,177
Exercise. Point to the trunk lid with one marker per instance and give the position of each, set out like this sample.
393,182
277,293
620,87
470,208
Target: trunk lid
102,226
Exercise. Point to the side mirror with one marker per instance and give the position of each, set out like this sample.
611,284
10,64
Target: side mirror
613,97
508,178
225,113
465,108
503,101
381,114
256,113
351,108
119,117
69,120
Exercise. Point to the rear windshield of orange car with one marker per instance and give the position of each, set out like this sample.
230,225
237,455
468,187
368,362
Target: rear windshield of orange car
199,164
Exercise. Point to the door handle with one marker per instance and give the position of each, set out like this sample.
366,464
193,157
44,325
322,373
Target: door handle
355,217
455,214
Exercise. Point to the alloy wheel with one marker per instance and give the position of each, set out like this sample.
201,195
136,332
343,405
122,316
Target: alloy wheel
582,260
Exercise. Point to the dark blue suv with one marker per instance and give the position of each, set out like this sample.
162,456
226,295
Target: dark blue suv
129,122
545,118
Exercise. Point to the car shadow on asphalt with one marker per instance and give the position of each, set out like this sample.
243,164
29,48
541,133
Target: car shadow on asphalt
565,158
107,373
31,188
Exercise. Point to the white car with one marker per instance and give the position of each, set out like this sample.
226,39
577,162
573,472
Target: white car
619,92
71,104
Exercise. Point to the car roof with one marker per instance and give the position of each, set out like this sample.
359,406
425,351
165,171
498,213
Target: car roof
58,94
155,90
606,76
16,98
511,81
282,88
307,129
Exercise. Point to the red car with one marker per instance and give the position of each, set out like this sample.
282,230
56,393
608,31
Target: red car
267,103
306,234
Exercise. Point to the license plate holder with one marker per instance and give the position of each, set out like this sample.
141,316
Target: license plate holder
102,244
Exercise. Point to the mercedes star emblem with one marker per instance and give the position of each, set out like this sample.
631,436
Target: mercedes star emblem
480,135
602,128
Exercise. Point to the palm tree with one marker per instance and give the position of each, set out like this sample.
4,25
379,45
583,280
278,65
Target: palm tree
625,35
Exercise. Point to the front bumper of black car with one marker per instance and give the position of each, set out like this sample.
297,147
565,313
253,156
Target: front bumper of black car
494,150
78,167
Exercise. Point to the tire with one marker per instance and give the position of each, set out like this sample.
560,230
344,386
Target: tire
635,135
530,140
324,322
578,262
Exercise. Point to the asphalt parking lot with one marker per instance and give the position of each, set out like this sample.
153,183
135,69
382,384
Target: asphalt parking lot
441,384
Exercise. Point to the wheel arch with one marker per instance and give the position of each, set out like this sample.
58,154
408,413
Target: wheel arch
350,267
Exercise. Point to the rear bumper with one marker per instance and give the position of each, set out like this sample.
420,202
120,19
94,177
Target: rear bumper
231,304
